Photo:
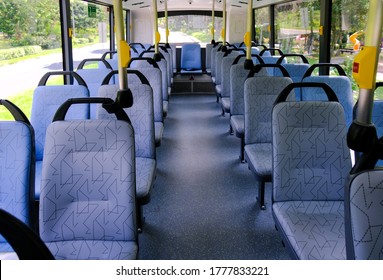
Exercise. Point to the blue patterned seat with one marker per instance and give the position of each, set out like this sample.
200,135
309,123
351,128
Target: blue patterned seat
191,58
46,101
93,78
163,66
259,96
141,115
311,162
17,169
238,76
88,192
364,222
150,69
340,84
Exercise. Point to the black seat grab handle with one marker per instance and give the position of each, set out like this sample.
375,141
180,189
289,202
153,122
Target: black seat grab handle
150,60
84,61
111,53
25,242
304,59
16,112
80,81
141,76
261,61
322,65
111,106
287,90
258,68
271,50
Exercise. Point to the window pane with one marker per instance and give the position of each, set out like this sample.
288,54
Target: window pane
190,28
348,22
262,23
30,46
297,28
90,30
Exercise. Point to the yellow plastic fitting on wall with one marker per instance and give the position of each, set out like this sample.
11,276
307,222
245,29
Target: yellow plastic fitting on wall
363,70
158,37
247,39
223,32
124,53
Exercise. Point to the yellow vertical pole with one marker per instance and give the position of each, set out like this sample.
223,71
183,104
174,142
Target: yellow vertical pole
166,23
223,34
366,62
157,36
248,34
362,136
213,23
123,49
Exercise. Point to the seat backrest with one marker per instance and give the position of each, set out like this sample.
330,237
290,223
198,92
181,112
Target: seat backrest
342,88
238,76
17,168
260,94
311,160
154,76
377,120
363,216
163,65
191,57
227,61
46,101
88,190
214,49
93,78
141,115
208,56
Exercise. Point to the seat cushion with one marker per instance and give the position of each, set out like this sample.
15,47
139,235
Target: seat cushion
314,230
238,124
93,250
145,176
225,101
259,158
159,130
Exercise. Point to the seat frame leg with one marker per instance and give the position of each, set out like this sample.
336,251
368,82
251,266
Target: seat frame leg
261,195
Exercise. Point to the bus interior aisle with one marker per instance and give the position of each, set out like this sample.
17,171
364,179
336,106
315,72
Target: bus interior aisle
204,200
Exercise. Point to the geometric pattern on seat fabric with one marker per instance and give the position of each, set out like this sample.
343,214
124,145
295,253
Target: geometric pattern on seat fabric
93,79
260,94
88,190
311,163
93,250
142,119
341,85
46,101
366,208
16,172
313,229
311,160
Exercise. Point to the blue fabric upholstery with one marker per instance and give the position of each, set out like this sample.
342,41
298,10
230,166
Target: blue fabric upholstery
16,173
377,120
296,72
164,78
46,101
238,76
341,85
364,223
141,116
155,80
260,95
93,78
208,58
87,203
191,57
226,63
311,162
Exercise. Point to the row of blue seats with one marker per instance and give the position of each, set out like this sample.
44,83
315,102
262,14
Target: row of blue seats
88,189
72,195
298,142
